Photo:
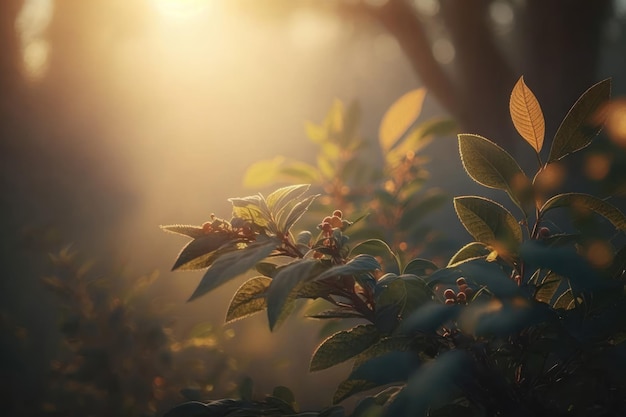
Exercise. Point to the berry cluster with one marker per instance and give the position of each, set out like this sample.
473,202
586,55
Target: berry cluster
462,296
333,222
237,227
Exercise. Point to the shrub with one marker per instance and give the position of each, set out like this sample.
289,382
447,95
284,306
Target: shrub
528,319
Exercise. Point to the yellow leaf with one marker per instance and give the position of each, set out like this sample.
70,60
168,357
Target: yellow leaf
527,115
399,117
492,256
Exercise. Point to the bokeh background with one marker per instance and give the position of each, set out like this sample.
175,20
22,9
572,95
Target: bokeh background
118,116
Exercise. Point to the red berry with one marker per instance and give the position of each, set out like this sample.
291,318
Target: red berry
463,287
449,294
461,297
338,213
461,281
468,292
450,301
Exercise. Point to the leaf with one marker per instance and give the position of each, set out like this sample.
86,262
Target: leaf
262,173
248,299
575,131
283,286
296,212
420,136
420,267
358,264
337,313
587,202
278,199
491,166
252,209
399,117
470,251
487,221
197,253
527,115
343,345
547,289
232,264
284,394
350,387
378,248
184,229
428,318
565,301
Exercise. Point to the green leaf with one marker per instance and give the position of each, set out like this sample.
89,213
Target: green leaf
284,394
300,172
343,345
350,387
487,221
527,115
587,202
252,208
358,264
284,286
420,267
472,250
316,133
296,212
184,229
399,117
377,247
420,136
262,173
278,199
197,254
233,264
491,166
577,130
383,346
248,299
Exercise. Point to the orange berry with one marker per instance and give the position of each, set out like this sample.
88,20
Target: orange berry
461,297
450,301
463,287
461,281
327,219
336,221
338,213
449,294
206,227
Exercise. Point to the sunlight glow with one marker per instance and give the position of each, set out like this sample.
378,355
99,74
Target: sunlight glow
182,8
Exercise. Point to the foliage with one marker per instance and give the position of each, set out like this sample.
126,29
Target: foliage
119,356
528,319
384,180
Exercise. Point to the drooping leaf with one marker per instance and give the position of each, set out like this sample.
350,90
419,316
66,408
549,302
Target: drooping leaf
184,229
248,299
488,222
491,166
527,115
359,264
197,253
420,267
284,284
587,202
470,251
343,345
233,264
578,128
399,117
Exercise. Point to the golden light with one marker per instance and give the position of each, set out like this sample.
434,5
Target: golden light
182,8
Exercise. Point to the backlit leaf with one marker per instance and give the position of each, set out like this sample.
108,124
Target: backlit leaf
248,299
399,117
380,249
184,229
565,301
579,127
470,251
197,253
296,212
527,115
420,136
587,202
233,264
420,267
343,345
487,221
337,313
491,166
547,289
281,197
